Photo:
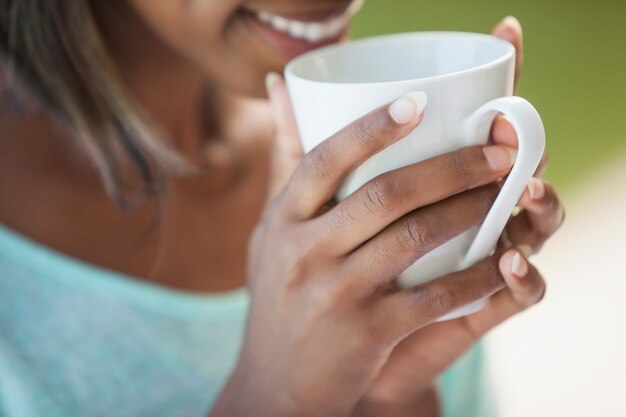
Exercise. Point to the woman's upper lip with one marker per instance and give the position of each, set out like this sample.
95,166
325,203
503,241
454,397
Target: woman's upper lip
314,15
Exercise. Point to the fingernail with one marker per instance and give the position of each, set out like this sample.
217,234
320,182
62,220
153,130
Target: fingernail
407,107
519,267
512,22
536,190
526,250
271,79
500,158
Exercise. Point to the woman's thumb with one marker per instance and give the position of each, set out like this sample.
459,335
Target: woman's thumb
286,149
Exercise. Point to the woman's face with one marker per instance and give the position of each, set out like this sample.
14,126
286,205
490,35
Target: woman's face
236,42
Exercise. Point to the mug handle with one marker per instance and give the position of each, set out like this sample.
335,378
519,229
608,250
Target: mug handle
531,137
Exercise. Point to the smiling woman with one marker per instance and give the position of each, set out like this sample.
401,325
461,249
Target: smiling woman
226,279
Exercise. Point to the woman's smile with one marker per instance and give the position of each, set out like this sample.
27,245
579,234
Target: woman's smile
295,32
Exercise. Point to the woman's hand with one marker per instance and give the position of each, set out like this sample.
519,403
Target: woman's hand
325,314
405,383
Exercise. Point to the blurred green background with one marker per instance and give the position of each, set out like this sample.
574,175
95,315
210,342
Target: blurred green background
574,66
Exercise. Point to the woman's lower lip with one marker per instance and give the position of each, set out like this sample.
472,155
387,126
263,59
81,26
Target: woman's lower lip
285,44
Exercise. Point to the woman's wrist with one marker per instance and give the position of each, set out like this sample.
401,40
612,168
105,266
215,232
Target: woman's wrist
424,405
242,396
248,394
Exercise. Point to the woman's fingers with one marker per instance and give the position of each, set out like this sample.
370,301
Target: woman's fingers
409,310
510,29
389,196
524,288
503,133
286,151
323,169
393,250
542,216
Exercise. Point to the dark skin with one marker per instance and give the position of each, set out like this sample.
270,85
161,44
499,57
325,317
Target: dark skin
206,65
74,198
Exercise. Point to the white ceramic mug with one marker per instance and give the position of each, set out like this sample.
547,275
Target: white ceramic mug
468,79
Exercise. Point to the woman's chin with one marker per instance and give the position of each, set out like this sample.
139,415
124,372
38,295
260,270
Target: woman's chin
252,48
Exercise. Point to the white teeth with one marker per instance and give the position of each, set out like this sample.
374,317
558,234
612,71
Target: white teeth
297,29
280,23
312,32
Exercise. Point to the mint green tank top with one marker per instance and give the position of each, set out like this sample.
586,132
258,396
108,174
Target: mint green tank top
78,340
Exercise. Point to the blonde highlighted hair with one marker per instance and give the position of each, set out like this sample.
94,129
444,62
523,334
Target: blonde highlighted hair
53,49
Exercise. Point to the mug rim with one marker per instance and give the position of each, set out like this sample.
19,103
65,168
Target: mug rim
508,54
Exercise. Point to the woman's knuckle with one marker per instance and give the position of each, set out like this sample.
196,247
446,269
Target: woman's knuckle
443,299
415,235
419,293
434,300
379,197
318,163
365,132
